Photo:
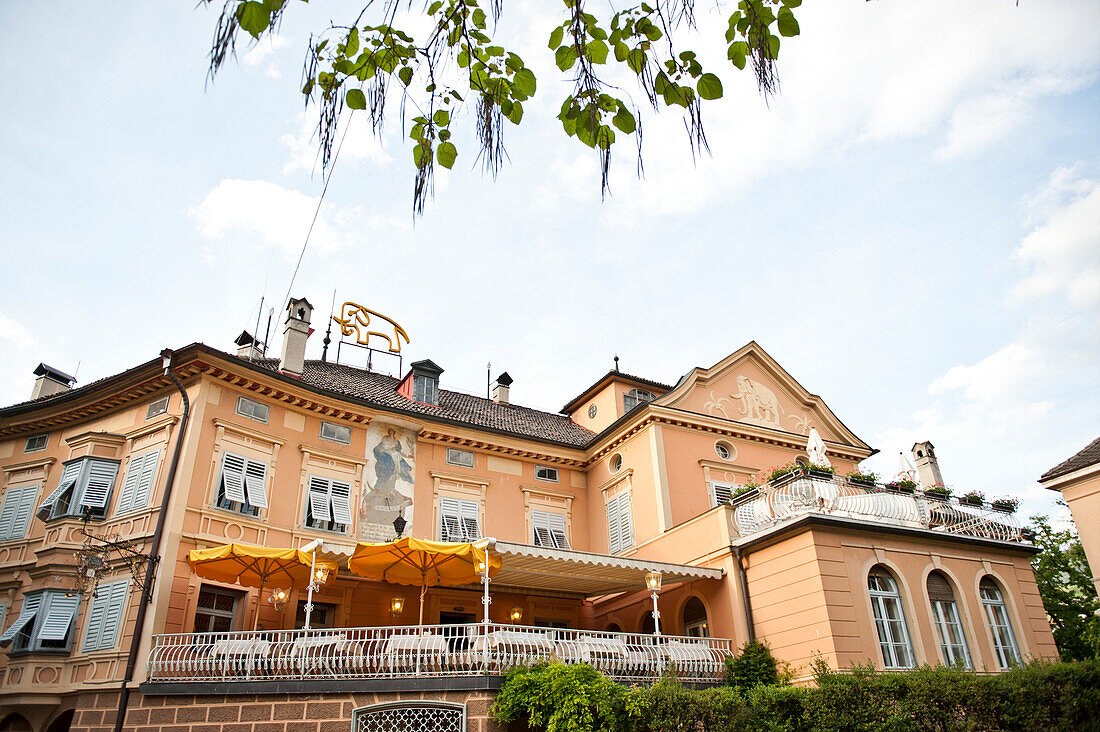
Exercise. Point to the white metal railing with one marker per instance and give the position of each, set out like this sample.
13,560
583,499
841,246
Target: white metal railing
431,650
792,496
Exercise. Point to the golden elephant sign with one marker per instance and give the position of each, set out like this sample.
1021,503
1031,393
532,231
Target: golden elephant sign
355,320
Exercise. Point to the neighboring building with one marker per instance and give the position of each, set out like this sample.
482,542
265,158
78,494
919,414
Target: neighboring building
633,477
1078,479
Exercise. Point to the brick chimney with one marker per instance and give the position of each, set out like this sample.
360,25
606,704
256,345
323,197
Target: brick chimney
50,381
247,345
500,390
295,332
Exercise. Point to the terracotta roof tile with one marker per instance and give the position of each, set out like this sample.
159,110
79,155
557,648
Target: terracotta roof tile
1089,456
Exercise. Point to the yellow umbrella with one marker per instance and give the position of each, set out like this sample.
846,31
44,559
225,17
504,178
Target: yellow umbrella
422,563
258,566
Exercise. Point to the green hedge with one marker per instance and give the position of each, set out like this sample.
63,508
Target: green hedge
1033,698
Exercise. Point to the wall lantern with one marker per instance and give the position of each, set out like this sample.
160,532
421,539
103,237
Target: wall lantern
516,614
278,597
653,581
397,605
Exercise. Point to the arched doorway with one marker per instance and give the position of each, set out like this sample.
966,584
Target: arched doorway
62,722
614,628
15,723
648,626
695,619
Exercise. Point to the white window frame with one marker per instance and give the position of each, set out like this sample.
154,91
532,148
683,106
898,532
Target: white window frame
948,622
241,490
620,523
636,396
457,457
459,519
891,626
157,408
425,389
719,490
45,436
16,511
105,616
549,529
247,407
328,504
334,437
550,469
1005,644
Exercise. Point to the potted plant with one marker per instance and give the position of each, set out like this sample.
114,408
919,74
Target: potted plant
824,472
1006,505
938,491
860,478
1027,534
973,498
782,474
902,485
742,490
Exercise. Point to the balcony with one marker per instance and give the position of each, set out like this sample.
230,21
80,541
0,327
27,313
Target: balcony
796,495
395,652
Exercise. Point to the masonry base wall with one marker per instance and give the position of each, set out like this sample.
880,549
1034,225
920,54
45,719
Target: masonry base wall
327,712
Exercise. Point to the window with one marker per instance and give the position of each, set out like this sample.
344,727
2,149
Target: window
86,483
45,622
725,450
592,411
720,493
548,530
893,634
996,612
439,716
329,505
253,409
336,433
157,408
36,443
105,616
217,610
545,472
695,619
425,389
15,514
945,616
461,458
620,525
138,483
241,485
634,397
458,520
323,615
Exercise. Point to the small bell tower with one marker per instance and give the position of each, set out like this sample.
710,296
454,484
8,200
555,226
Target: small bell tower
928,468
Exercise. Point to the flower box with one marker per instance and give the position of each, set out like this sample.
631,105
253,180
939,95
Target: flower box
972,501
937,495
1005,505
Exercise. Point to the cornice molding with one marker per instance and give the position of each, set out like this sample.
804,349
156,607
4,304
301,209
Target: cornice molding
333,456
247,432
29,465
445,438
158,424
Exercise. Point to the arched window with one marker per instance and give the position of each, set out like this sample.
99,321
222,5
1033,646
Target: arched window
804,462
695,619
996,612
614,628
648,626
948,622
634,397
893,634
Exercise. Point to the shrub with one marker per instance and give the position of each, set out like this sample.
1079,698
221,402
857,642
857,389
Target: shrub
668,706
753,666
561,698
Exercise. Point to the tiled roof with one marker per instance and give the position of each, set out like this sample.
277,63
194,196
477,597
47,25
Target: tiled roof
381,390
617,374
1089,456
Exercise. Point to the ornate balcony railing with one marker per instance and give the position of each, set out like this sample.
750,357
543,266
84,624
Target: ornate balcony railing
432,650
796,495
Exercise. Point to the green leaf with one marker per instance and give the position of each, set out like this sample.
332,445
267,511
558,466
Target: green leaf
653,33
636,60
525,82
434,7
555,37
621,51
356,99
446,154
738,54
442,117
625,121
788,26
352,42
254,18
405,74
565,57
478,17
710,87
515,114
597,52
773,46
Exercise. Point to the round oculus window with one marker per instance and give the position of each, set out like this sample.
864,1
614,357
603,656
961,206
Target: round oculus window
592,411
616,463
724,450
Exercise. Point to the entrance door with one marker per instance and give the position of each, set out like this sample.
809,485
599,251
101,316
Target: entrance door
456,634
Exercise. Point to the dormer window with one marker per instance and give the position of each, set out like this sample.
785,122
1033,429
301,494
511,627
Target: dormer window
425,389
634,397
422,383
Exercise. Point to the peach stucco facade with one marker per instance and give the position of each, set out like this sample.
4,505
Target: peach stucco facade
807,580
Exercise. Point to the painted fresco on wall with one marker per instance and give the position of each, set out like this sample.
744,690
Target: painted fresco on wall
388,494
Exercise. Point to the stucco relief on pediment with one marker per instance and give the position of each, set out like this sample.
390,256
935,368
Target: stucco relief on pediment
755,403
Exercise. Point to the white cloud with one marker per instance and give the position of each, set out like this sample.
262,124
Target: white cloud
264,48
14,334
360,143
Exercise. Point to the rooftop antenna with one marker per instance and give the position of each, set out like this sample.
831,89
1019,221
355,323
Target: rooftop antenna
259,312
76,371
267,331
616,363
488,378
328,330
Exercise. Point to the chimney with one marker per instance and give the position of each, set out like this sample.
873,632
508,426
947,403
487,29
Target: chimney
247,346
928,469
295,332
500,391
50,381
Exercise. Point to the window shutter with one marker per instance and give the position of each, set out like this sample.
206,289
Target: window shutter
27,614
450,511
626,521
614,538
470,526
95,619
233,477
97,489
105,616
145,481
540,528
721,493
3,613
939,588
23,509
68,480
13,499
557,530
318,499
129,485
59,618
341,502
254,478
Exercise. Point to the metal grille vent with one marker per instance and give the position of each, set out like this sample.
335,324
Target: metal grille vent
410,717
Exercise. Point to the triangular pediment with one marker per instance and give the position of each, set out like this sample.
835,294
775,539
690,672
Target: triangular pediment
750,387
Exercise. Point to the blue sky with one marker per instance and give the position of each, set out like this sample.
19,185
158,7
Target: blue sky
912,227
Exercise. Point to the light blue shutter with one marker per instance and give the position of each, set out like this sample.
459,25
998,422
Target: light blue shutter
233,477
27,613
470,526
450,513
540,529
145,482
626,521
130,484
13,499
254,478
614,537
341,502
3,613
557,530
59,618
23,511
97,489
318,499
105,616
68,479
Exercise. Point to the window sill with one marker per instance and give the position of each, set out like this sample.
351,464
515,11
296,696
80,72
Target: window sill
40,652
